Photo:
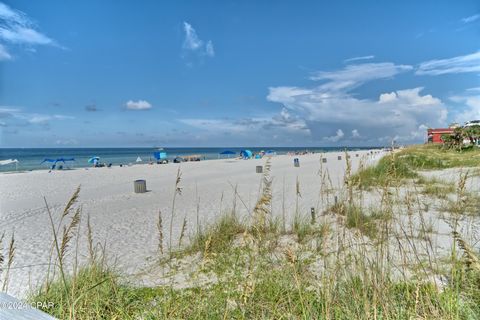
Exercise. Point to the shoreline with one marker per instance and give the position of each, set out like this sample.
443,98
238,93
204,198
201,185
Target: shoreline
205,156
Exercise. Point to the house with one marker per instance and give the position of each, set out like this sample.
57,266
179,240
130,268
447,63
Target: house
435,135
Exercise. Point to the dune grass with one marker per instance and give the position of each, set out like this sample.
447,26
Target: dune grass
260,277
397,167
284,289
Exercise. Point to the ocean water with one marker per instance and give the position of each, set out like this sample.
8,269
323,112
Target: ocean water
31,158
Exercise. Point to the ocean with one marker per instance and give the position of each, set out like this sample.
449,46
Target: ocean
31,158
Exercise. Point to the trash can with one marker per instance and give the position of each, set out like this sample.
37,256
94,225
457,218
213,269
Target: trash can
296,162
140,186
324,160
339,157
259,169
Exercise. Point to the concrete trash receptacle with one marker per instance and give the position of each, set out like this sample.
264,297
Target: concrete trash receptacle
140,186
339,157
324,160
259,169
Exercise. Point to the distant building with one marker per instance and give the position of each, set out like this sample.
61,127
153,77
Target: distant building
435,135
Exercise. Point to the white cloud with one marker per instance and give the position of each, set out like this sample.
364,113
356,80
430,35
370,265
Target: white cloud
395,115
138,105
470,107
6,111
4,54
17,28
331,113
16,115
282,126
280,122
21,35
44,119
359,58
471,18
337,137
193,44
460,64
474,89
209,50
355,75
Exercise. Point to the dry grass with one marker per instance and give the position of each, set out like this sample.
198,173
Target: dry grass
327,269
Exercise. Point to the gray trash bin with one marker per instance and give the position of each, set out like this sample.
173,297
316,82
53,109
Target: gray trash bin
324,160
339,157
296,162
140,186
259,169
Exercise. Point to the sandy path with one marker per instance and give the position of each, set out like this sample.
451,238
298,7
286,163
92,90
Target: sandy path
127,221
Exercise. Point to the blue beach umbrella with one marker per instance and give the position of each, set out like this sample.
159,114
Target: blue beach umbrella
92,159
57,160
246,154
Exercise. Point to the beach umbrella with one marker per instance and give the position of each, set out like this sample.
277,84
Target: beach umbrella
270,152
138,159
246,154
9,161
158,155
92,159
57,160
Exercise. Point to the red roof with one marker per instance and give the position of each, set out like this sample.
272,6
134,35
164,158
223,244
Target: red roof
441,130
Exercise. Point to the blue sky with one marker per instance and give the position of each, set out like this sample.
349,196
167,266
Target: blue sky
235,73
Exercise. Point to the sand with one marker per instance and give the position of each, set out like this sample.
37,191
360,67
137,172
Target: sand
125,222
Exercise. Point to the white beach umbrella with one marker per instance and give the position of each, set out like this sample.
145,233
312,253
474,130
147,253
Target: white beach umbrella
9,161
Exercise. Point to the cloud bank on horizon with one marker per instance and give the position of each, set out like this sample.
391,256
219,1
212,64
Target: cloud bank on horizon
238,92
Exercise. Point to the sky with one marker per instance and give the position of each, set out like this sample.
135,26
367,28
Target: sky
235,73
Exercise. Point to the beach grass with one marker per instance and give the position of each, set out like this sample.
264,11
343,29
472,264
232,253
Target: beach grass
351,262
405,164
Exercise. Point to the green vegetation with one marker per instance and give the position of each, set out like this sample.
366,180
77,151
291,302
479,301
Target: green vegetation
318,269
218,237
391,169
456,140
395,168
436,188
286,291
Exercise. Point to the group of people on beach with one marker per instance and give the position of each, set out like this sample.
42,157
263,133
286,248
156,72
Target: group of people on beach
300,153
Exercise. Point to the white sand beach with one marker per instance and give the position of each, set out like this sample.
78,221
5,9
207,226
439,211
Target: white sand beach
126,222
